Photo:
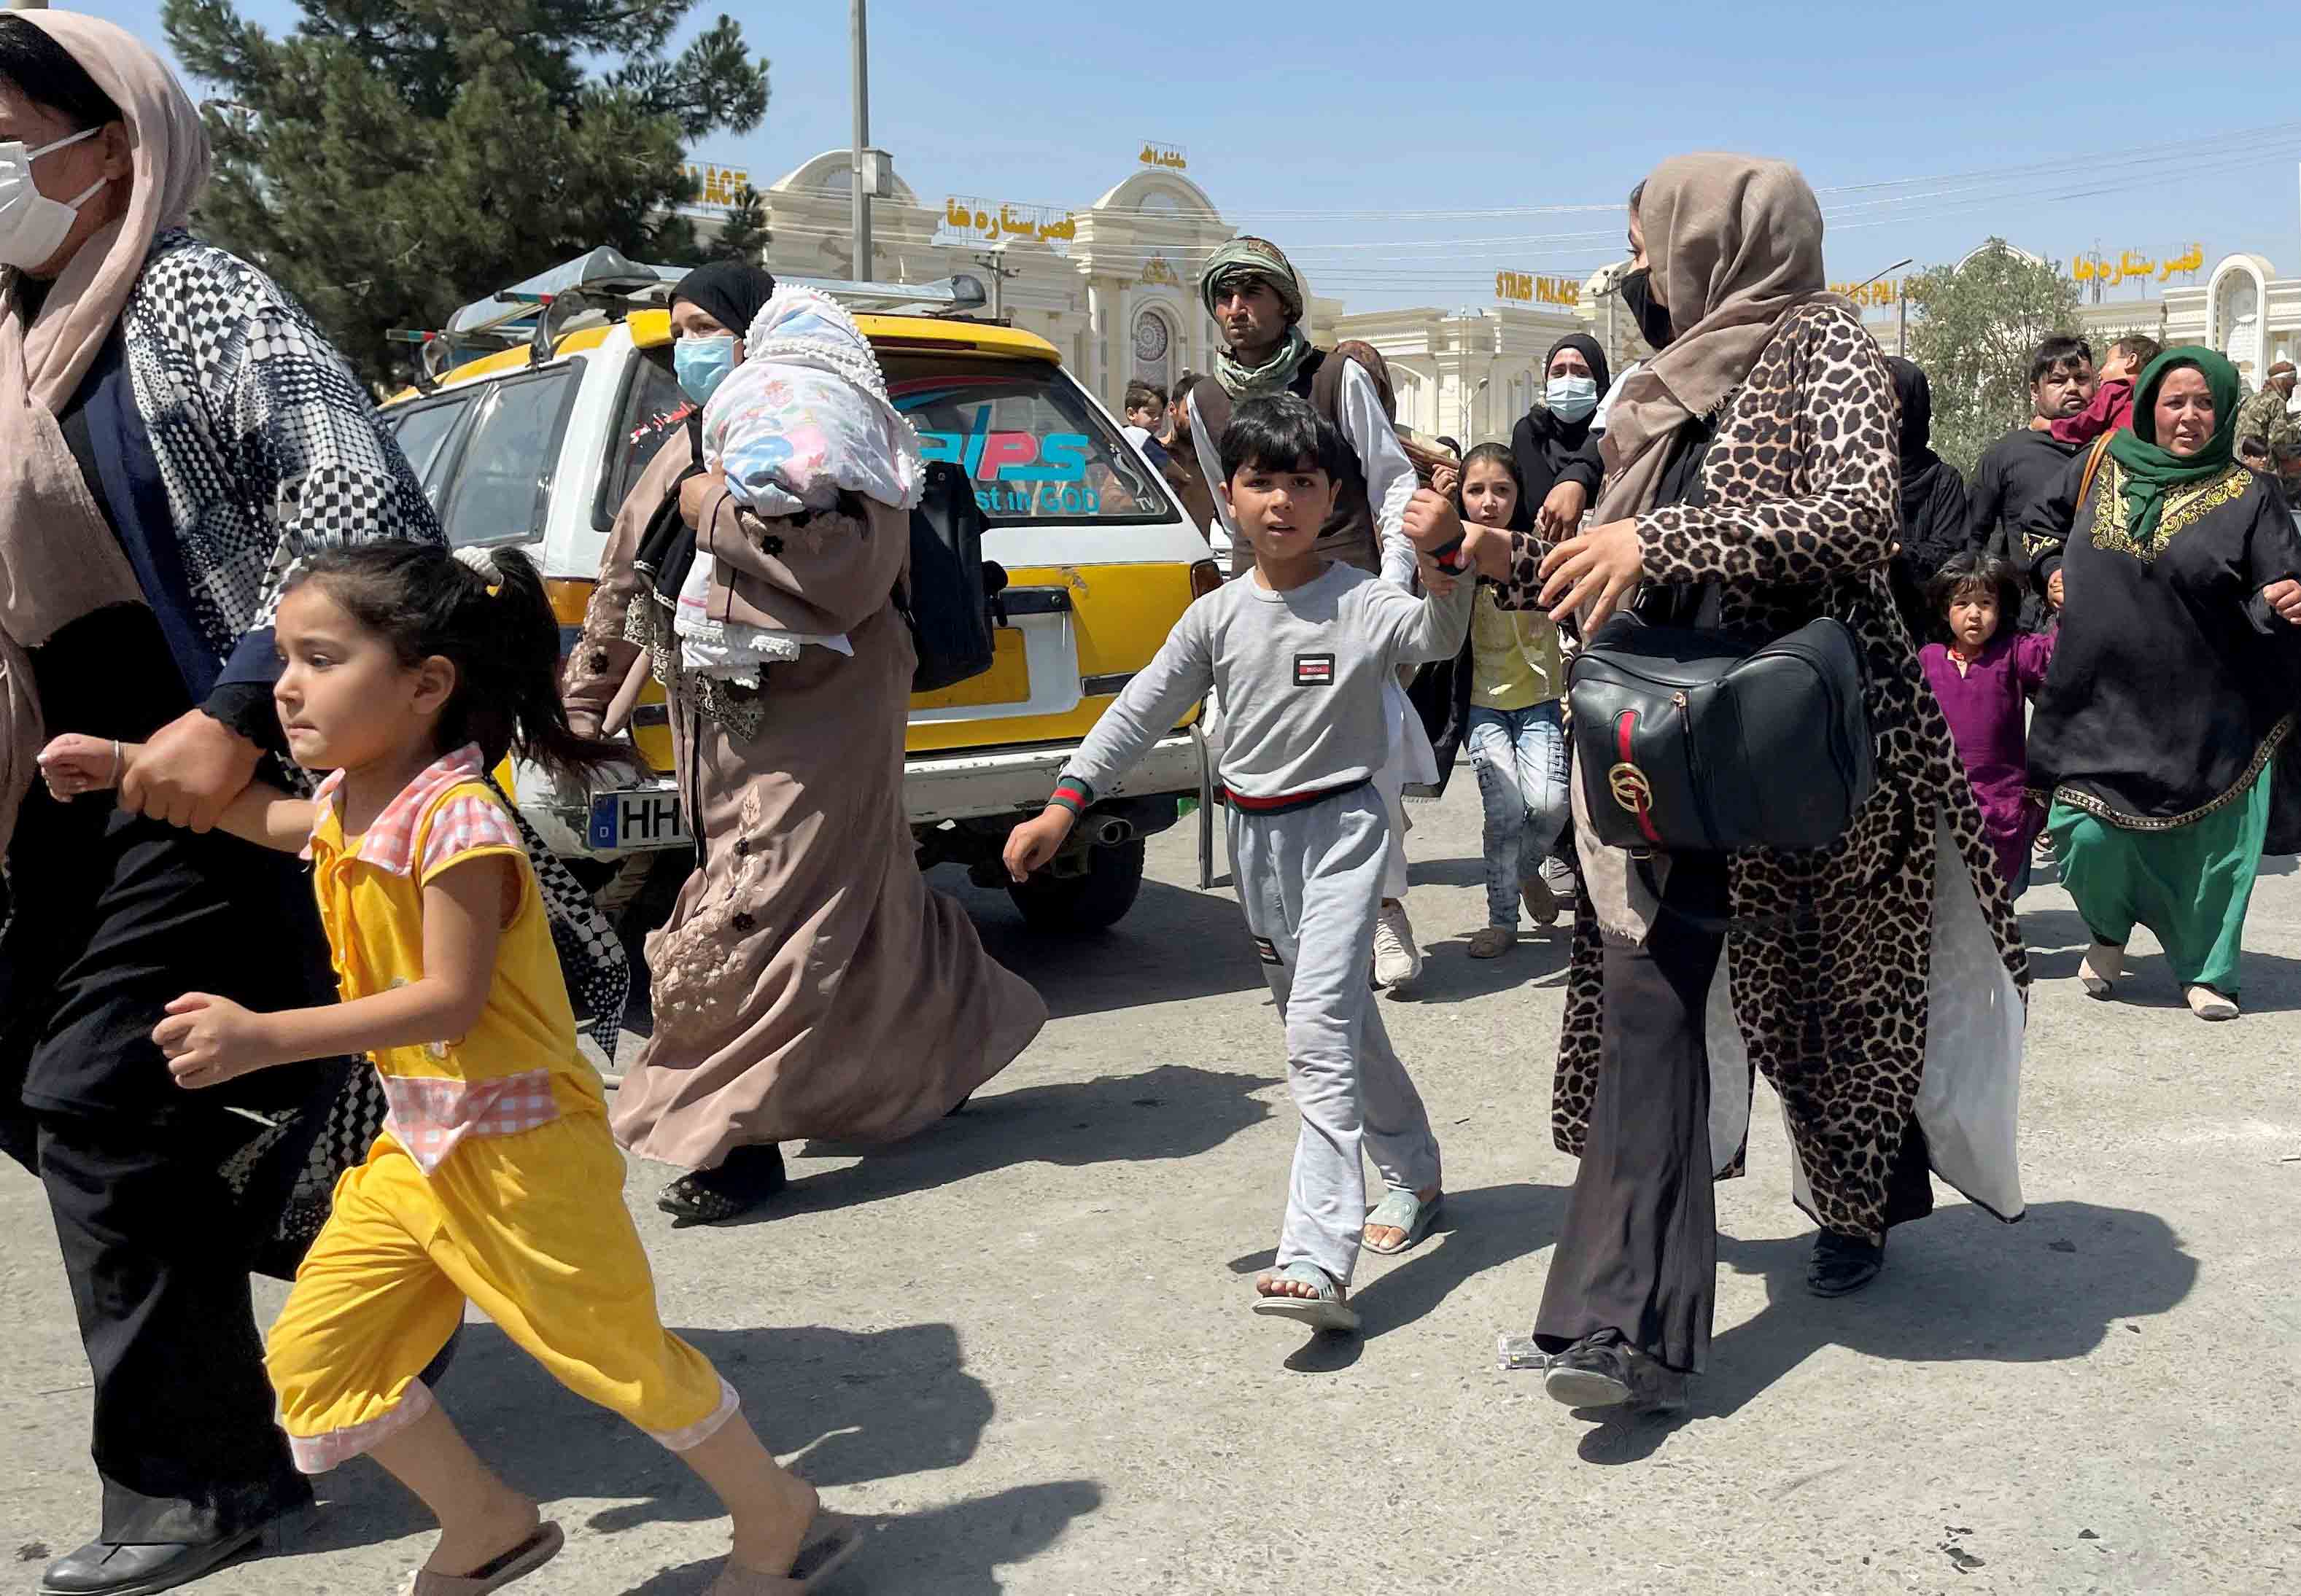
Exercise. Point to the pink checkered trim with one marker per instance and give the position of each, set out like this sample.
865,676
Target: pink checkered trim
429,1116
317,1454
463,825
389,844
702,1429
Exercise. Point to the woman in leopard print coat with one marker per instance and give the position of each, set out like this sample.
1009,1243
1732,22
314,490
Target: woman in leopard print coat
1752,484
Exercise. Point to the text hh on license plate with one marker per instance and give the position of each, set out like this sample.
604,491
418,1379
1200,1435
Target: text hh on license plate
647,818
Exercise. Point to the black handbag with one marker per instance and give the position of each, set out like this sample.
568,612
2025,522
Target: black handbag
1688,739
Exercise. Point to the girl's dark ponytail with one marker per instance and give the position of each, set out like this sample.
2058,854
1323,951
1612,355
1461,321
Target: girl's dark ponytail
527,674
495,624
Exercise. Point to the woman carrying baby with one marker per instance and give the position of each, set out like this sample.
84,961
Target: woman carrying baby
808,984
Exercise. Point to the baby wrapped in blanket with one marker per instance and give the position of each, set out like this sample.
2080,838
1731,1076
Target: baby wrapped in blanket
803,417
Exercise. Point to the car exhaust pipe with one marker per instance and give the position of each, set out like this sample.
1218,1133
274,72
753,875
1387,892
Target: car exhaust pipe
1110,831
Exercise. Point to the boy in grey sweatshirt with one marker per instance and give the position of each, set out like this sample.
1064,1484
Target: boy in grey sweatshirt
1298,649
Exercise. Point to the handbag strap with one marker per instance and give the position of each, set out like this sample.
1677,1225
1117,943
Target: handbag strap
2093,464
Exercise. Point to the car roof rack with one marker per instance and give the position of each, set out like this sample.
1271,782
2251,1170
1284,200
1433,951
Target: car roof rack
539,310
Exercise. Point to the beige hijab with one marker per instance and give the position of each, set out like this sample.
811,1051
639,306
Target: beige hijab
1735,245
58,558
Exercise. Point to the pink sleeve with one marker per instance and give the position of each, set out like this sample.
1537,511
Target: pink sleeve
466,824
2099,416
2031,654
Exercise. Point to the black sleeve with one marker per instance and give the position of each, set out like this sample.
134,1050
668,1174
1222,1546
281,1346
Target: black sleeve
2046,526
1587,466
1985,500
245,707
1525,455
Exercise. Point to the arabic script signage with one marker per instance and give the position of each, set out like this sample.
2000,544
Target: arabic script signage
980,221
2131,266
1171,157
1525,289
716,184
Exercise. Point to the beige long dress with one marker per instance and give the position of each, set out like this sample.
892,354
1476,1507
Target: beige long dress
809,983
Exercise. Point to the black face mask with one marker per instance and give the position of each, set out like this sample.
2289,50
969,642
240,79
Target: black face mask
1654,322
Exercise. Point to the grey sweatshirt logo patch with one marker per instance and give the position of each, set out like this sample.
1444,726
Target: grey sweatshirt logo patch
1314,669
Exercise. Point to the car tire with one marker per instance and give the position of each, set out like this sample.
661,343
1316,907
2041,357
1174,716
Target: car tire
1093,900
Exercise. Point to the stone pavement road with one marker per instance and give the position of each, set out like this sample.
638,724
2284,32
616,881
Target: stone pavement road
1023,1341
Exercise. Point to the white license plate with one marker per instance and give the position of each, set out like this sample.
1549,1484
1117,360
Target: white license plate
645,817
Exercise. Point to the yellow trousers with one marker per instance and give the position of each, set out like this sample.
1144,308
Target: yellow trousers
532,1228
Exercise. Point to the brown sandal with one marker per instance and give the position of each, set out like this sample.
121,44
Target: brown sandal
496,1573
831,1540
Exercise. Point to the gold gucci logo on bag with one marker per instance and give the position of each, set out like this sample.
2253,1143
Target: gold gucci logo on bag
1631,788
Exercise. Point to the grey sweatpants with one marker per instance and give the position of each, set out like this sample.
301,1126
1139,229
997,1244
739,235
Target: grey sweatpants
1311,881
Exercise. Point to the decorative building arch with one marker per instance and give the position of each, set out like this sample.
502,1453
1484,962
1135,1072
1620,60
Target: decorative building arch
1154,346
831,175
2237,311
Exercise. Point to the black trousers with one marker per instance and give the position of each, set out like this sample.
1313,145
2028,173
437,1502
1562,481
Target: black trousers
1636,1260
112,917
184,1438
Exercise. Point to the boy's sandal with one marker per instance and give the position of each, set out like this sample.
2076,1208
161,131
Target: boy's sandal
1329,1309
832,1538
1492,942
1402,1209
496,1573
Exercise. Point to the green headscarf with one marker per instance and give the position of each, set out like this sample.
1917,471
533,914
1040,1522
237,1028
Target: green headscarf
2150,473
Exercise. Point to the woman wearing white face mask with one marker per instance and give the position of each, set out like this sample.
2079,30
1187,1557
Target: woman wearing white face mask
1555,443
173,433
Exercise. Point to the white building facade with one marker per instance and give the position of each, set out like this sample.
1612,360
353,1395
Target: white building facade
1113,286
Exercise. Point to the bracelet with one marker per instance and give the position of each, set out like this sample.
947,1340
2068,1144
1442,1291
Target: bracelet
1073,795
1445,558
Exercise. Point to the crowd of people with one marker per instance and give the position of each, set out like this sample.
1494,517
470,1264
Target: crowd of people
231,635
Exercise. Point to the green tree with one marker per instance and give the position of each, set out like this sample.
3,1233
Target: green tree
390,159
1973,330
744,235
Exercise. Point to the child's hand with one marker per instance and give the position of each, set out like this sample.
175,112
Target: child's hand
2284,598
1444,481
1431,520
73,763
2054,587
1032,844
1437,579
209,1040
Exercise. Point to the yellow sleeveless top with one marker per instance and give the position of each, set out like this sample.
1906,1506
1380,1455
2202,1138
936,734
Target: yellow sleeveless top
519,1067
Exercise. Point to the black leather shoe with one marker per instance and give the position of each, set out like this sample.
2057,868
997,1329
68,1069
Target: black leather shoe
749,1176
101,1569
1608,1374
1843,1263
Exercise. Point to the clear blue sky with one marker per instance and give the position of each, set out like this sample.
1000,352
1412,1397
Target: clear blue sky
1379,110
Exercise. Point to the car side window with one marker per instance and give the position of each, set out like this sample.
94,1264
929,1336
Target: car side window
655,413
502,478
424,433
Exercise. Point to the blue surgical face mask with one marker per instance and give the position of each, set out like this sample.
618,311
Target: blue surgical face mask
1570,398
702,364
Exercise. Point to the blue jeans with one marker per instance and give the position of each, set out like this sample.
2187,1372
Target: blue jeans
1521,758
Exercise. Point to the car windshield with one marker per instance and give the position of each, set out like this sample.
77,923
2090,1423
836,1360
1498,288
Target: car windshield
1035,448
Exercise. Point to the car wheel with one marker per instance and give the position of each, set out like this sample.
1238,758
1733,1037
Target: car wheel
1093,900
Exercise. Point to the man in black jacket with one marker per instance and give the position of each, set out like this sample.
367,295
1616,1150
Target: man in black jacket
2022,466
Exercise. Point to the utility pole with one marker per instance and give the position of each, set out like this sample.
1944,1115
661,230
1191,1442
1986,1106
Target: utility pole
863,262
995,260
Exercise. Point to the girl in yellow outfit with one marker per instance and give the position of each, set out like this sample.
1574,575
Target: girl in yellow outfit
409,675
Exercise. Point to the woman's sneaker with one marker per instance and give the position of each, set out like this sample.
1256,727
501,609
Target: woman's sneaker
1608,1374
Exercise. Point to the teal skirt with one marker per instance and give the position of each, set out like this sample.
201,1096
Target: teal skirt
2190,885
